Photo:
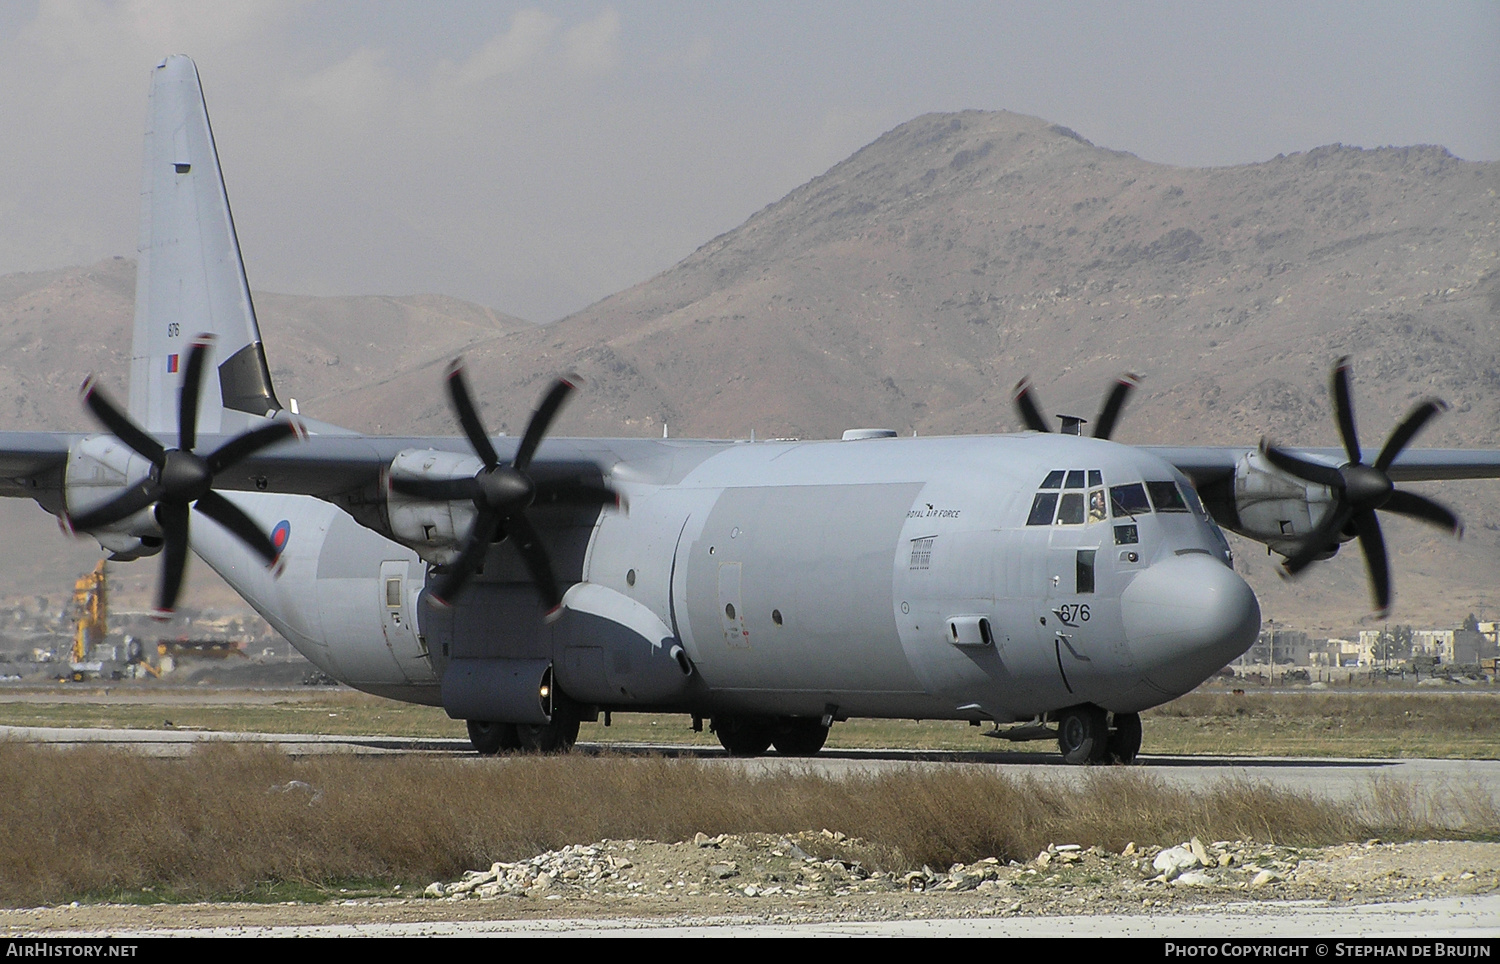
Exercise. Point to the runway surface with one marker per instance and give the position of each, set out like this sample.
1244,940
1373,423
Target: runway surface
1334,778
1465,919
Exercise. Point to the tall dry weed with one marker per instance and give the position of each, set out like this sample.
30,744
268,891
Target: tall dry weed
227,819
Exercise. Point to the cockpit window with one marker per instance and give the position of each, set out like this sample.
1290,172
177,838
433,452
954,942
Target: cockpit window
1075,479
1165,497
1096,505
1191,495
1070,509
1042,508
1095,478
1128,500
1054,480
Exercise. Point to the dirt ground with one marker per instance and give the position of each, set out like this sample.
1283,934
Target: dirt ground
816,877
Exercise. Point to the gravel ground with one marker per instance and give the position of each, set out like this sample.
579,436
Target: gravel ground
821,877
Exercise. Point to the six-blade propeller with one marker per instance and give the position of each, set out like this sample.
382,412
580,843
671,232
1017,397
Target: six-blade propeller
502,493
1104,424
180,479
1360,490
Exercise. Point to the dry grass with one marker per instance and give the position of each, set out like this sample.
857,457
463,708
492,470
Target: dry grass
91,824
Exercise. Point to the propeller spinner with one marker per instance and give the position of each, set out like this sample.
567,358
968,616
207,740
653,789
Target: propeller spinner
502,493
180,479
1360,490
1104,424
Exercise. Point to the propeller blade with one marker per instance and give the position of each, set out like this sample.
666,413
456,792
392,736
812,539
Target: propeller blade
529,545
470,558
1026,407
468,415
1407,430
1423,508
1373,543
173,518
437,490
187,396
127,503
1343,409
233,518
1314,472
573,492
243,446
541,420
112,418
1104,425
1319,541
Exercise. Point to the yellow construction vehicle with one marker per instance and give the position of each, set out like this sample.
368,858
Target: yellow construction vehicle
91,621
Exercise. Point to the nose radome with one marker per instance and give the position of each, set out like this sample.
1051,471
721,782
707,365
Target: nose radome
1185,618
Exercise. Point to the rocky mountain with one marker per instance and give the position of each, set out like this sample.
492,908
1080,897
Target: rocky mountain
910,286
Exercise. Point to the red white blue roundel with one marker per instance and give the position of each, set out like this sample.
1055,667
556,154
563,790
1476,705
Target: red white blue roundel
280,535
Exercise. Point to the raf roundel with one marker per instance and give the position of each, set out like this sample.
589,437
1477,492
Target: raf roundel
280,535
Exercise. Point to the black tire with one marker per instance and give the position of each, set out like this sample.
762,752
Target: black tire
1083,734
742,736
799,736
1125,738
490,738
555,737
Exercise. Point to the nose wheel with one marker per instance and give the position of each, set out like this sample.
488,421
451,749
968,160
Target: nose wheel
1084,735
1125,738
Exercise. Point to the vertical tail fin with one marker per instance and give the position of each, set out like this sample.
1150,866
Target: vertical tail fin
190,278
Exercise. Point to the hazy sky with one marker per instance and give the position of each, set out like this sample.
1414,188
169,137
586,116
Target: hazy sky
537,157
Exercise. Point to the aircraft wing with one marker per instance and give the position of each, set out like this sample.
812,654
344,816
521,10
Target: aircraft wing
30,460
1205,464
331,465
326,466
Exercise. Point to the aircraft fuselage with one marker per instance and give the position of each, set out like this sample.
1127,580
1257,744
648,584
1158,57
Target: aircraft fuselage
993,578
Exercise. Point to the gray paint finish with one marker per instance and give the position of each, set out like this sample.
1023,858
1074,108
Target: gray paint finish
800,549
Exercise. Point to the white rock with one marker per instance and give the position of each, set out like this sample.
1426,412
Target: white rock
1174,861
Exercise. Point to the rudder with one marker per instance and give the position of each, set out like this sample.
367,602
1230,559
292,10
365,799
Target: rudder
190,278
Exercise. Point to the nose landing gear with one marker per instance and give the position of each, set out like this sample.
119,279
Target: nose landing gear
1084,735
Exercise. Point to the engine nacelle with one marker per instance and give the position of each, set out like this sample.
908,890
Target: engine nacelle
1273,507
435,530
99,467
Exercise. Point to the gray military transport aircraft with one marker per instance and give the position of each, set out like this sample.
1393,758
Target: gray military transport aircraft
1058,582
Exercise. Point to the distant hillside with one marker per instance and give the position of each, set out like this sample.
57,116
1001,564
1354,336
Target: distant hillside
914,283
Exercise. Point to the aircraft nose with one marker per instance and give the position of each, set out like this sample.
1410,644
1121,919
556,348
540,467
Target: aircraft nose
1185,618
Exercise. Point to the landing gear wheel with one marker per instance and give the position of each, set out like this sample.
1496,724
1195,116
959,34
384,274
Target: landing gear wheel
490,738
799,736
742,736
1125,738
555,737
1083,734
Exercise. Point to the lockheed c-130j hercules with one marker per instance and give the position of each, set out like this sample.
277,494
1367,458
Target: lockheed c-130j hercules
1057,581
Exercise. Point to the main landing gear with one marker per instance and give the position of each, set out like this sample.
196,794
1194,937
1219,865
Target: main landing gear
1084,735
557,736
753,735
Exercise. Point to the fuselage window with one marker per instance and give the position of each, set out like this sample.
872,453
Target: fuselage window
1042,508
1096,505
1054,480
1070,509
1165,497
1129,500
1086,570
1075,479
